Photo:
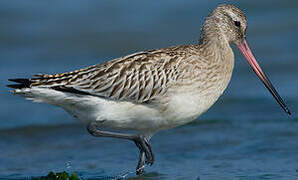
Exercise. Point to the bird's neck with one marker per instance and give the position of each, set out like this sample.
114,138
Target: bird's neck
216,48
212,35
213,43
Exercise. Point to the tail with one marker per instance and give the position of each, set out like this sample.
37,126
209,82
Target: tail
29,89
42,80
21,83
55,81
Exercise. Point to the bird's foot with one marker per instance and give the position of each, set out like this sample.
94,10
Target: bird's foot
141,164
146,154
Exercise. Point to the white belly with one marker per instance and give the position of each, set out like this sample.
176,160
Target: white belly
186,107
179,109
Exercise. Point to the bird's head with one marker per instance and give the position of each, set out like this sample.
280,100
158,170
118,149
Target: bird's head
228,24
225,22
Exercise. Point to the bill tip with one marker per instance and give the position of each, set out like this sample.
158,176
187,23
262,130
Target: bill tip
288,111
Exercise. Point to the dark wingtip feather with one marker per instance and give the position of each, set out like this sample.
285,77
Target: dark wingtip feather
20,80
14,86
23,83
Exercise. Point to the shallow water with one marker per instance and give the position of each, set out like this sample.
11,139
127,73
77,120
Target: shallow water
245,135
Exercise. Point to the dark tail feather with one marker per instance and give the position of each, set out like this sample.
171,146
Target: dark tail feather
22,83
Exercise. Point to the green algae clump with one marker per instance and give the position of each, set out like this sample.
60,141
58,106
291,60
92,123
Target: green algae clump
58,176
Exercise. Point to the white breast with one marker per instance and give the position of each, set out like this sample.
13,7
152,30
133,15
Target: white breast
186,107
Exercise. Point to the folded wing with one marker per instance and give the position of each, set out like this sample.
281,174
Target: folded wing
138,77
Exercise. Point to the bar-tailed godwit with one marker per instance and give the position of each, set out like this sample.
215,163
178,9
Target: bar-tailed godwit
153,90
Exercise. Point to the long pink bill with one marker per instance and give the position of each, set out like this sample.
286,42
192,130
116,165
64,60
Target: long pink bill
245,50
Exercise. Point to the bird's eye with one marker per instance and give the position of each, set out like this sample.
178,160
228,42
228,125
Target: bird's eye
237,23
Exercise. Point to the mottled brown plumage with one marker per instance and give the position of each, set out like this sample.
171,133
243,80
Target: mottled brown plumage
153,90
138,77
146,76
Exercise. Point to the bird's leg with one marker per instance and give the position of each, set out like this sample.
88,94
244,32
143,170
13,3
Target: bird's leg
142,142
141,163
146,155
144,146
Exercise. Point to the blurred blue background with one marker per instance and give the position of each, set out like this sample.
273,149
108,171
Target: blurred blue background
245,135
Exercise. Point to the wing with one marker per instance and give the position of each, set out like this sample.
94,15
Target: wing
139,77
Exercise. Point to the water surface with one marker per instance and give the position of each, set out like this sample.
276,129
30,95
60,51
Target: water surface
245,135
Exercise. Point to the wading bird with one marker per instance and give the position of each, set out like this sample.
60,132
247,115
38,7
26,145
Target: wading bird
153,90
